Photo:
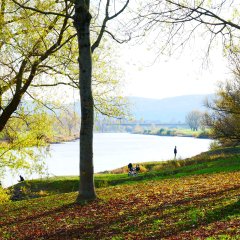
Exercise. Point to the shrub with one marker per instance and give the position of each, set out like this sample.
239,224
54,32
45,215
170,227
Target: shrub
157,167
214,145
204,134
143,169
4,195
161,131
169,133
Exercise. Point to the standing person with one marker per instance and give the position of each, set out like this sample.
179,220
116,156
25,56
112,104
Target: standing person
175,151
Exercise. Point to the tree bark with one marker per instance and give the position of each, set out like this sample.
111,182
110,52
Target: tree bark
82,19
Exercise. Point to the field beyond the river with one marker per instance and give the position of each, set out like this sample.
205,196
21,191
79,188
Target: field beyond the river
197,198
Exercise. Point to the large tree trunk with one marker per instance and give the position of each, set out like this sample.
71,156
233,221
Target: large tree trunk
7,113
82,20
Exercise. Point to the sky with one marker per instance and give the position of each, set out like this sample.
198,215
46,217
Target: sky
147,75
185,73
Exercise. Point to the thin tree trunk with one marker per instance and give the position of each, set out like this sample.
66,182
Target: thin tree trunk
82,20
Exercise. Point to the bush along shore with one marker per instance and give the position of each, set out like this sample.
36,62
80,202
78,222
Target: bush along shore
179,132
195,198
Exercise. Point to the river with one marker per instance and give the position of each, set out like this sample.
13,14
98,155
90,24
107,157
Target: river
114,150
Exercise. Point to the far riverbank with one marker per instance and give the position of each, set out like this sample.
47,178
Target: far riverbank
176,132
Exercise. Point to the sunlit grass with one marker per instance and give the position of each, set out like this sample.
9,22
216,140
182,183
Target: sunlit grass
196,198
205,163
197,206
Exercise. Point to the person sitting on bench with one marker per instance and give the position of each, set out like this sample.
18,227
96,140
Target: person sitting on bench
130,167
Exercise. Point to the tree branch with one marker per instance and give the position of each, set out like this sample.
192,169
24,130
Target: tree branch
40,11
104,24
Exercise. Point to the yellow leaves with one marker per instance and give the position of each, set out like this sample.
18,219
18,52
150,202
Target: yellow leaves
4,195
121,213
147,206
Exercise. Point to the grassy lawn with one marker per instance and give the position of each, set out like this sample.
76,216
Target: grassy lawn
197,198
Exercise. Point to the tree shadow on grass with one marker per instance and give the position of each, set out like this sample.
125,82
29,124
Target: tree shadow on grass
222,213
219,214
98,228
116,226
48,213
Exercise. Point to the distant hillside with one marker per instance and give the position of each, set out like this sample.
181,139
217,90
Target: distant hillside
167,110
172,109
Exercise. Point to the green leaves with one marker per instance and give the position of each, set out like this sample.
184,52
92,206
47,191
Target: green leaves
24,131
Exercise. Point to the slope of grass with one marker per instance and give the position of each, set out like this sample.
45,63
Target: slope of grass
223,160
197,198
192,207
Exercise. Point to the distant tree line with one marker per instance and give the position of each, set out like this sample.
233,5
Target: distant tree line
194,119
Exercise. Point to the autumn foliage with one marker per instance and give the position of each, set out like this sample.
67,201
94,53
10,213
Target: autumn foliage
194,207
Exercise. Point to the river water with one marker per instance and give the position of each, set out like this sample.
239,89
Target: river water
114,150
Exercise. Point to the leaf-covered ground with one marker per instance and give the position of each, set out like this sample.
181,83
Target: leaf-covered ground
195,207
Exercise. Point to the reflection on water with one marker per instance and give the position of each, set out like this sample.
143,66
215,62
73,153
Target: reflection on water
114,150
